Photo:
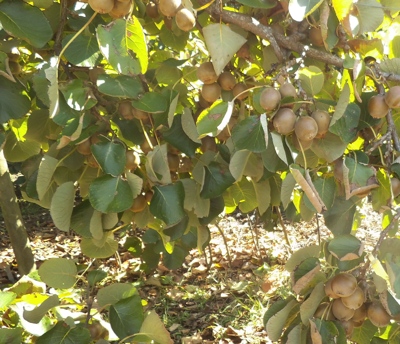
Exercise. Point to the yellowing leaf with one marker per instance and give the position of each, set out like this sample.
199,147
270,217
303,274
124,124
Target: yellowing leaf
342,8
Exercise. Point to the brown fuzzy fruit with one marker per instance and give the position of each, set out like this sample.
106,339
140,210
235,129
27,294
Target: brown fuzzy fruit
240,88
145,146
101,6
306,128
152,10
287,90
324,311
244,51
211,92
206,73
185,19
132,160
304,144
270,99
84,147
92,162
344,284
323,120
340,311
15,67
315,35
186,165
328,290
348,327
121,9
139,114
284,121
355,300
378,315
208,144
395,186
338,169
148,195
360,314
125,109
139,203
377,106
227,81
169,7
173,162
392,97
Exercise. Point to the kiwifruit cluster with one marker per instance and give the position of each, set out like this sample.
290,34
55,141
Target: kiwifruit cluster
128,112
115,8
379,105
348,304
184,17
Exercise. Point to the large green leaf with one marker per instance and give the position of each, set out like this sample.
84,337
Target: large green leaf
16,150
83,51
36,314
61,206
342,8
77,96
216,180
11,335
167,203
119,86
115,292
299,9
25,21
329,148
370,15
249,134
135,41
103,248
339,219
126,316
62,333
110,156
155,329
312,79
80,219
110,194
14,103
152,102
113,45
209,119
130,130
347,126
346,247
58,273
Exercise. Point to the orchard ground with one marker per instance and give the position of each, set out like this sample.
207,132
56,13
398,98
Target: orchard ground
218,296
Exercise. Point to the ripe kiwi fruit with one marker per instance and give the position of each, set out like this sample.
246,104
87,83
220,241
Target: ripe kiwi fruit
355,300
392,97
101,6
208,144
377,106
169,7
270,99
340,311
186,165
145,146
152,10
148,195
284,121
120,9
244,51
238,89
84,147
15,67
338,169
315,35
328,290
173,162
323,119
97,331
378,315
125,109
287,90
132,160
360,314
306,128
348,327
139,203
139,114
91,161
395,186
185,19
206,73
211,92
324,311
227,81
304,144
344,284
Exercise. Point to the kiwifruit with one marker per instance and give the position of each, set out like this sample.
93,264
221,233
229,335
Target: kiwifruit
208,144
338,169
227,81
84,147
125,109
15,67
238,89
315,35
132,160
355,300
13,57
186,165
94,74
328,290
392,97
344,284
340,311
101,6
169,7
139,114
360,314
377,106
203,104
97,331
173,162
348,327
287,90
395,186
139,203
168,22
145,146
304,144
306,128
173,150
324,311
211,92
152,10
206,73
148,195
284,121
270,99
323,119
244,51
121,9
91,161
185,19
378,315
225,134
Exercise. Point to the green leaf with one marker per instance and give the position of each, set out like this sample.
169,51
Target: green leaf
370,15
16,150
77,96
249,134
35,315
244,162
115,292
113,45
129,130
154,328
6,297
11,335
167,203
52,91
210,118
329,148
135,183
80,219
152,102
326,188
136,42
341,105
103,248
41,127
364,333
119,86
157,165
217,179
62,333
36,30
312,79
58,273
83,51
126,316
277,322
62,205
309,306
96,226
110,156
300,255
347,126
381,195
244,195
172,40
96,276
299,9
346,247
265,4
263,194
339,219
14,103
222,43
